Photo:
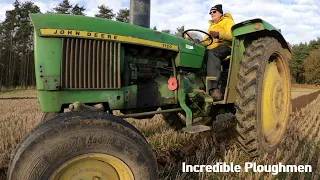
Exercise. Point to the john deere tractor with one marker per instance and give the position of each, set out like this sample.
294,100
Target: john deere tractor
87,68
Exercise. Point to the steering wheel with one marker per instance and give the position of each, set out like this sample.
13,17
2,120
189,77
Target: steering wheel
199,42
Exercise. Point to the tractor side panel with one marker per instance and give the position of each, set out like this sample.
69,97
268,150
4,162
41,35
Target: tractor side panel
52,101
47,63
236,56
189,60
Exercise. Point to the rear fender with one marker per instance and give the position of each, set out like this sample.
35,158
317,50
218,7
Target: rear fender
243,34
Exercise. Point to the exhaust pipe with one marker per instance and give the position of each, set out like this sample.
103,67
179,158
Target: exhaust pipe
139,13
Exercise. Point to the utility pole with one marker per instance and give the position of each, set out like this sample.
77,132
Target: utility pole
139,13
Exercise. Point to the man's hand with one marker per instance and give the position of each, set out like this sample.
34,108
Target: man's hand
214,34
186,36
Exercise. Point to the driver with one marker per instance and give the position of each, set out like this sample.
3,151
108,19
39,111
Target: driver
220,31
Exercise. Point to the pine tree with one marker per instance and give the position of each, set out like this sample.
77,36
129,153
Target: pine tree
25,43
77,10
2,57
154,28
299,54
123,15
105,12
314,44
16,49
63,8
9,30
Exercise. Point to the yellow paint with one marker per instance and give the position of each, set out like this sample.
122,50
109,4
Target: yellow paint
104,36
93,166
275,100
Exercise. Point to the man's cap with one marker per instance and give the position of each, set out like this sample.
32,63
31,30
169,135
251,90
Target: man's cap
217,7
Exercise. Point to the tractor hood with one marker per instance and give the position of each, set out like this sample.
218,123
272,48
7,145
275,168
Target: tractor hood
60,25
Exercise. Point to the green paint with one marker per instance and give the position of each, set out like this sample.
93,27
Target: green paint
183,91
236,56
47,62
52,101
167,96
186,86
130,98
50,82
189,60
61,21
247,27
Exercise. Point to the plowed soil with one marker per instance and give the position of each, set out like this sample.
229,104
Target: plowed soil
302,101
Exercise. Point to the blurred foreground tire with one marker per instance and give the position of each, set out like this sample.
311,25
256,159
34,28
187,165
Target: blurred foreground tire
78,145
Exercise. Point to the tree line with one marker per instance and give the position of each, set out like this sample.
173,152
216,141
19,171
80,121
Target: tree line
17,55
305,62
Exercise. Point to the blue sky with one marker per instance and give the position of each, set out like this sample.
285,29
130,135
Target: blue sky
299,20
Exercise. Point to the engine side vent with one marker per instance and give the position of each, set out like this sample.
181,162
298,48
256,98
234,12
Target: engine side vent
90,64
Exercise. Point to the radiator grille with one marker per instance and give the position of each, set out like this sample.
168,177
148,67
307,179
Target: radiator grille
90,64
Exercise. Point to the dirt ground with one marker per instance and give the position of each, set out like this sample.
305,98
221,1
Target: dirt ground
303,99
301,144
19,93
297,92
306,86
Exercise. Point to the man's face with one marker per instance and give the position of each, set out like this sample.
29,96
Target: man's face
215,15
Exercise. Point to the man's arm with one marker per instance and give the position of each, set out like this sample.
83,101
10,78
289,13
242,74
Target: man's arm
226,34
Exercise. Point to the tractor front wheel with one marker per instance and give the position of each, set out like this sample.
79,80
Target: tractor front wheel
263,96
84,145
47,115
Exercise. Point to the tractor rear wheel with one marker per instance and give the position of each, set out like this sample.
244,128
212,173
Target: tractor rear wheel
263,97
84,145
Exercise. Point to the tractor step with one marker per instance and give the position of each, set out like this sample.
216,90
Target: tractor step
196,129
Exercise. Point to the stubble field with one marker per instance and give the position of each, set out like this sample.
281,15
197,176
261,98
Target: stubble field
301,144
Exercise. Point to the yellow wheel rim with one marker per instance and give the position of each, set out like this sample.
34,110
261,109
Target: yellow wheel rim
93,167
275,100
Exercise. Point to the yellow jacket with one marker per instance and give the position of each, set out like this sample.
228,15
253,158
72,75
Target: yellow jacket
223,26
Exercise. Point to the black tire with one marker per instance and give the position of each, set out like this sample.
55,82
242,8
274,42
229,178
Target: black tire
47,115
71,134
249,96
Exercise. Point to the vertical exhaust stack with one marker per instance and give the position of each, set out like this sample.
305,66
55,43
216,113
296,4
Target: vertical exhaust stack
140,13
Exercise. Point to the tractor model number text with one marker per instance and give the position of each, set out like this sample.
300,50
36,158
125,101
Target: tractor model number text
169,46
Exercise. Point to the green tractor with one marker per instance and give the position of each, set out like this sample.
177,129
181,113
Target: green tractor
87,68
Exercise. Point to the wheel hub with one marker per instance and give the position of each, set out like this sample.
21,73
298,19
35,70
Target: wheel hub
93,167
275,100
278,98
